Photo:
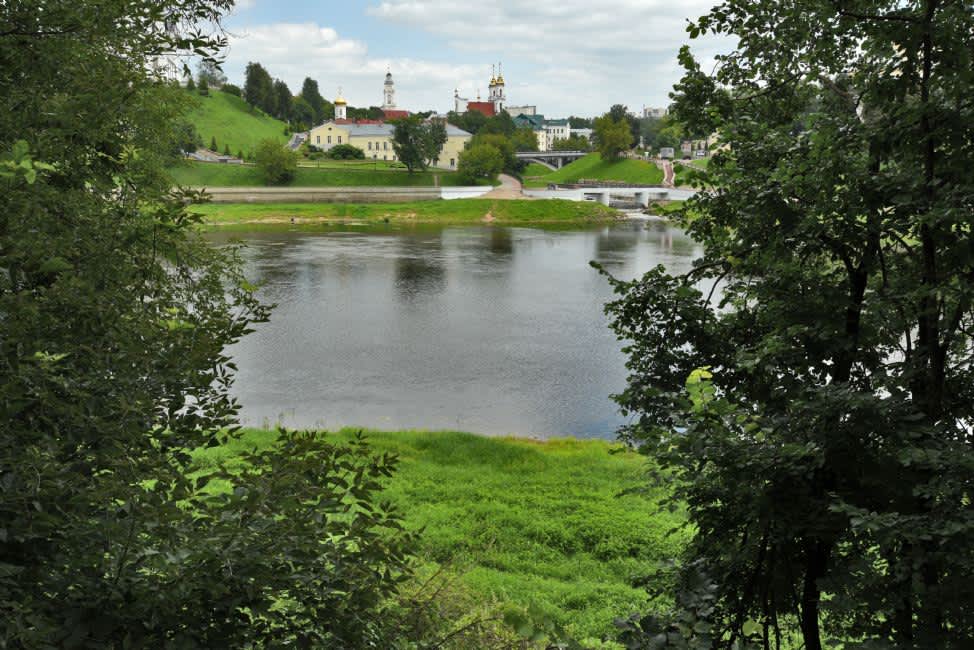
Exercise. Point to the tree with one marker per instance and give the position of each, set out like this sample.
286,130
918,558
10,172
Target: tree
502,124
277,164
812,403
346,152
210,72
311,94
190,84
259,88
524,139
417,143
303,114
283,100
471,121
504,146
612,137
230,89
203,87
573,142
185,138
114,320
213,146
479,163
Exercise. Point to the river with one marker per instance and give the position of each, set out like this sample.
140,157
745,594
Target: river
486,329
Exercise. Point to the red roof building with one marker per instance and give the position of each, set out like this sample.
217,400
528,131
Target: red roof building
487,108
392,114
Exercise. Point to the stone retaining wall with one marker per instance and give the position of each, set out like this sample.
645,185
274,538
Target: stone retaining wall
323,194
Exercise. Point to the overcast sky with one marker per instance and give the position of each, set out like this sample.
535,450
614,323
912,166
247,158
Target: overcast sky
565,56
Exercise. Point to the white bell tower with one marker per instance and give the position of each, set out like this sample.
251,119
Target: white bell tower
389,93
341,107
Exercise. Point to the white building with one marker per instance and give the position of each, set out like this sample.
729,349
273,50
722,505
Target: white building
389,93
654,112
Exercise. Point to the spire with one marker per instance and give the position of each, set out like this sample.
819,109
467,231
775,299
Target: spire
493,76
500,75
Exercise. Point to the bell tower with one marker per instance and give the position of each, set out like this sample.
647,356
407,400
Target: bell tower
389,92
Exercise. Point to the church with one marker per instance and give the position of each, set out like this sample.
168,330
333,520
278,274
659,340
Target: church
496,99
374,137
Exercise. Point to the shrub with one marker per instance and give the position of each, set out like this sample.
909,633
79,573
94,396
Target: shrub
230,89
480,162
277,163
346,152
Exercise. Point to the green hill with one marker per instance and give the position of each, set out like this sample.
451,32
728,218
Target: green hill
232,122
592,167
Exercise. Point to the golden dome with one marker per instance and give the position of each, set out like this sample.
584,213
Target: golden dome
340,100
500,80
493,81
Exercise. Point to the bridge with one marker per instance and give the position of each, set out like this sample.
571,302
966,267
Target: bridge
551,159
641,196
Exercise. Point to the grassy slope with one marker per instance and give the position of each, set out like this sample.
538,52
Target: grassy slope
457,212
231,121
684,170
592,167
196,174
536,525
534,169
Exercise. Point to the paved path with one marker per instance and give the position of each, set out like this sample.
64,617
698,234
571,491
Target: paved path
669,175
510,188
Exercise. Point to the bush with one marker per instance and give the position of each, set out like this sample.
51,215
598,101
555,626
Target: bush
277,163
480,162
346,152
230,89
203,86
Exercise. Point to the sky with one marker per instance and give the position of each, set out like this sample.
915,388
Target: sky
567,57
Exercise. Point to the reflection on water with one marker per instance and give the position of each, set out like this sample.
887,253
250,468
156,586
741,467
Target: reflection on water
485,329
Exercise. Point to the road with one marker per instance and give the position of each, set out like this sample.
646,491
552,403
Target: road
510,188
669,176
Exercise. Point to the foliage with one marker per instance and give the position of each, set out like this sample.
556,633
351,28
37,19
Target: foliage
277,164
259,88
620,113
573,142
524,140
190,84
480,162
612,137
661,132
418,143
203,87
283,101
323,109
209,72
346,152
471,121
302,113
826,448
186,139
114,318
504,146
230,89
500,124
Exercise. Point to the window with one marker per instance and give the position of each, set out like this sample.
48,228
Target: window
385,157
329,139
453,162
339,139
385,146
317,139
370,146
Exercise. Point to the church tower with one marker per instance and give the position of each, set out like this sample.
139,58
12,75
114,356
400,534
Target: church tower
497,90
389,93
341,107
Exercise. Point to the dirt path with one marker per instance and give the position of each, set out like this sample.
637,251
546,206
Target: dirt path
510,188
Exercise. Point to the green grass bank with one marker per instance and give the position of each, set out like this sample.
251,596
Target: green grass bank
198,174
537,526
592,167
233,123
464,211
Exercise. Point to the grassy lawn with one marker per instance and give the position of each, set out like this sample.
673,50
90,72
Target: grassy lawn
684,171
231,121
534,169
336,174
452,212
592,167
533,525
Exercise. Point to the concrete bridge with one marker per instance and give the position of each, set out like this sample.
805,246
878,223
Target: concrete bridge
642,196
551,159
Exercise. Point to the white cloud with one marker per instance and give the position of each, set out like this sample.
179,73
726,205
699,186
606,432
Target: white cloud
565,56
293,51
581,56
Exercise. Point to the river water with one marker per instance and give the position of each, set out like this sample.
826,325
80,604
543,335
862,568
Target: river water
486,329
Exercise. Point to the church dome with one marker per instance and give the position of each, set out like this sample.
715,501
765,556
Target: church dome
340,101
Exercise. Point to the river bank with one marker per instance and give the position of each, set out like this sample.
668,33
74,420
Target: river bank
538,527
466,211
